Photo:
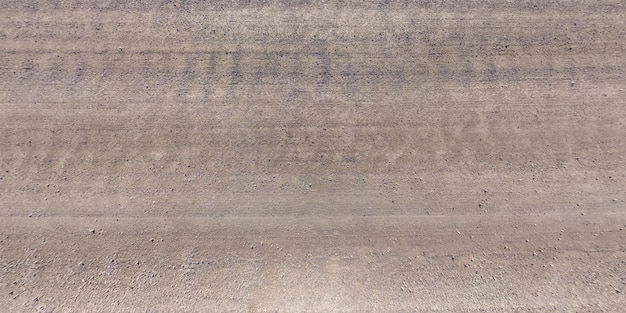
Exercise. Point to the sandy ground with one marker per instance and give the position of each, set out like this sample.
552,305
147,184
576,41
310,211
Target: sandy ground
298,156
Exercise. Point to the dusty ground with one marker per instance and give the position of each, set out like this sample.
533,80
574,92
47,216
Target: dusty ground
288,156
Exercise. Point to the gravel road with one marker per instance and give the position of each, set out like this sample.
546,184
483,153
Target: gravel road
312,156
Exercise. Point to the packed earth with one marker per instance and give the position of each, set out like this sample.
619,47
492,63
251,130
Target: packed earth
312,156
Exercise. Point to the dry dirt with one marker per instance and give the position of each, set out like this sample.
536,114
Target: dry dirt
304,156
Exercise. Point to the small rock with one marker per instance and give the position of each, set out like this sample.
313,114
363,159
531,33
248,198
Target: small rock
93,231
151,239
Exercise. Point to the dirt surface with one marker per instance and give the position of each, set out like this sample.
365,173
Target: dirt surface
299,156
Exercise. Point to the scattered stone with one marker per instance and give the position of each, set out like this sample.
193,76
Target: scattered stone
93,231
151,239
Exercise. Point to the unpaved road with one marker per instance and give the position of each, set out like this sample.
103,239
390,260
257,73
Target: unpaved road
290,156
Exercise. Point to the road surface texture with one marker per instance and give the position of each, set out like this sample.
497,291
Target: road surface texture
309,156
